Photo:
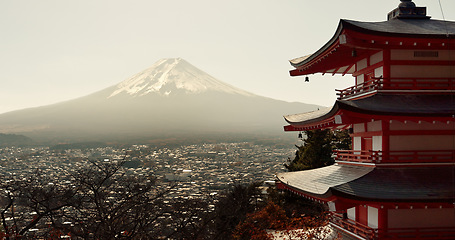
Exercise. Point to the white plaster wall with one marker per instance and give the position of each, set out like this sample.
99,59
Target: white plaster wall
362,64
351,213
374,126
375,58
338,119
358,128
357,143
379,72
420,218
360,79
422,142
377,143
372,217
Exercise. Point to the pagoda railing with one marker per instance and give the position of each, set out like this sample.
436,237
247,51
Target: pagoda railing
365,87
377,157
340,220
358,156
397,84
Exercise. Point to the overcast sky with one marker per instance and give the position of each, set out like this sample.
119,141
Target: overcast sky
56,50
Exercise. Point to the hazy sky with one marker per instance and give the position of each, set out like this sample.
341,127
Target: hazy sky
56,50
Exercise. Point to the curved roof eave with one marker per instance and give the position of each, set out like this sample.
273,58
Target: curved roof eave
408,28
320,180
430,105
415,184
427,28
400,184
297,62
312,117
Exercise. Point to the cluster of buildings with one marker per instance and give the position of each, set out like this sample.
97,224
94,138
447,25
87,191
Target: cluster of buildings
213,167
190,172
196,170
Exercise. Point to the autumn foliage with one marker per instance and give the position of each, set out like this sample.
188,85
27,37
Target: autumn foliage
261,224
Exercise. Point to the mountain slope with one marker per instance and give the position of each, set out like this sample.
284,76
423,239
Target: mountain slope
170,76
170,98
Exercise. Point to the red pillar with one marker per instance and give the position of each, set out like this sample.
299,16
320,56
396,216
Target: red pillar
385,140
382,218
362,214
386,66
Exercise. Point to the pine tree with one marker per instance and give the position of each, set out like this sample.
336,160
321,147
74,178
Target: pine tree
317,149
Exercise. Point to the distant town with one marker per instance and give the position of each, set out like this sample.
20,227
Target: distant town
197,170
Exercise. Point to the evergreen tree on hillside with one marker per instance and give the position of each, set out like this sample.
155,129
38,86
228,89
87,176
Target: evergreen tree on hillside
317,149
341,140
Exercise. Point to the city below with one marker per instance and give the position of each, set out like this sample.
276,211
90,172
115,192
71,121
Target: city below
196,170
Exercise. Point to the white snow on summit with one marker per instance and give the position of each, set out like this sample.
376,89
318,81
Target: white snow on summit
173,74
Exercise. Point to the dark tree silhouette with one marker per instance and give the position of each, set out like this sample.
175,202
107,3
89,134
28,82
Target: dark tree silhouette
317,149
233,207
106,201
102,201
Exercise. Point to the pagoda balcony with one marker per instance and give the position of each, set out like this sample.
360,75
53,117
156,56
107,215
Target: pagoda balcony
379,157
397,84
358,156
340,220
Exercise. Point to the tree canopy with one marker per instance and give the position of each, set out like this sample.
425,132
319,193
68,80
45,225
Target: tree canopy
317,149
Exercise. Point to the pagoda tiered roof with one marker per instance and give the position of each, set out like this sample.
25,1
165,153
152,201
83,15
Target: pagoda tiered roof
417,184
319,181
398,177
336,56
413,107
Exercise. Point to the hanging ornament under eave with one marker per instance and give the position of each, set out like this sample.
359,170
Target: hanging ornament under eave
300,141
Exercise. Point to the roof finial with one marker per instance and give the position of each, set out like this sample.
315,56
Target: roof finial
407,4
406,10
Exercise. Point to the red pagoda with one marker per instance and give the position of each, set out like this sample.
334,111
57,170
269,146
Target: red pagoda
397,181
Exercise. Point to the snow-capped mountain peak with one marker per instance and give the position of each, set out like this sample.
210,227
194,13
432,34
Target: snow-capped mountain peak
172,75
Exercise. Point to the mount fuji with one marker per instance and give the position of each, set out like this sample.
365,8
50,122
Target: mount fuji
173,76
169,99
